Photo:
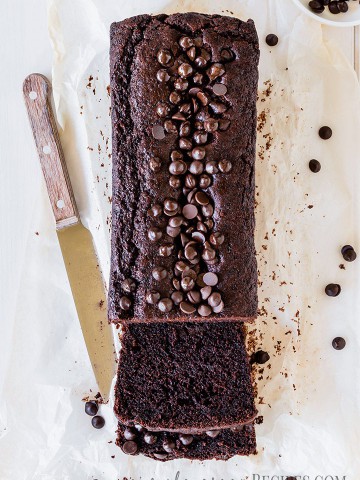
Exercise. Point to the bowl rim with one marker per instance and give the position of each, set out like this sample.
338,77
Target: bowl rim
325,21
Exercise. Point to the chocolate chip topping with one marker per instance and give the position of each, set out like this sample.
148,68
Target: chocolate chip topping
325,133
338,343
348,253
125,303
272,39
91,408
130,447
315,166
98,422
158,132
186,439
332,289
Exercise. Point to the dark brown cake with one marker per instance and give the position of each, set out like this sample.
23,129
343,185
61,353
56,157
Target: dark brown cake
163,446
183,93
184,377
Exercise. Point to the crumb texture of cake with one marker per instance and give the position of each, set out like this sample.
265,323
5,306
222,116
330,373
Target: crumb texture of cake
183,91
164,446
184,377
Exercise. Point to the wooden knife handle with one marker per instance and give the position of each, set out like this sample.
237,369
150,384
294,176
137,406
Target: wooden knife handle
37,95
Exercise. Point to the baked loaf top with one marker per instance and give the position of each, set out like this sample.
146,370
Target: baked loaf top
183,93
163,446
186,377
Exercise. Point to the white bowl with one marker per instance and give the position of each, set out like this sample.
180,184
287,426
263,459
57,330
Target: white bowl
348,19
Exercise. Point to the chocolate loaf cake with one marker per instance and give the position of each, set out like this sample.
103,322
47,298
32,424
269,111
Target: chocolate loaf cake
183,91
163,446
188,377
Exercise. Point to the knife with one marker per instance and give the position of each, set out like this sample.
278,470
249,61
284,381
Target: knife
75,240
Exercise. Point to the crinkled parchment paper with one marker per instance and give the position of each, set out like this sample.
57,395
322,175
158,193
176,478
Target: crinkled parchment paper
308,393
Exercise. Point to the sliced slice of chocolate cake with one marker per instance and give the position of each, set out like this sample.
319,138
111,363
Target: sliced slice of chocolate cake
184,377
183,90
163,446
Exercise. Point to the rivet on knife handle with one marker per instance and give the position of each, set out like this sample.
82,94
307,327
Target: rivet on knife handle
37,95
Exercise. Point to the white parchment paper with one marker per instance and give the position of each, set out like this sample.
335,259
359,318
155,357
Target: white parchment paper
308,393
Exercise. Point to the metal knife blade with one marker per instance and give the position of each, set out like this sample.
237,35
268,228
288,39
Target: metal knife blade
75,240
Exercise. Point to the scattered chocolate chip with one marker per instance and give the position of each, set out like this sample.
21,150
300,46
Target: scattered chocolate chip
334,7
190,181
164,57
155,164
165,305
333,289
165,250
207,210
214,300
98,421
226,55
91,408
196,167
159,273
174,182
150,438
272,39
158,132
315,166
215,71
200,62
205,292
177,297
125,303
212,433
155,211
204,181
154,234
189,211
130,433
162,76
185,129
316,6
162,110
225,166
186,439
200,137
325,133
198,78
343,7
128,285
219,308
203,98
187,308
218,107
224,124
152,297
211,167
194,296
201,198
339,343
160,456
170,126
211,125
179,116
219,89
139,428
185,144
168,445
191,53
204,310
178,167
175,98
185,42
216,239
181,84
171,205
185,70
260,357
210,279
130,447
348,253
198,42
172,231
198,153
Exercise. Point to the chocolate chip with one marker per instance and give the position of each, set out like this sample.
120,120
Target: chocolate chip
198,237
334,7
225,166
208,254
172,231
214,300
218,107
168,445
200,62
178,167
200,138
130,433
204,181
185,42
125,303
155,211
187,284
165,305
191,53
203,98
219,89
164,57
224,124
189,211
174,182
162,110
272,39
226,54
348,253
91,408
198,153
211,125
139,427
196,167
185,144
154,234
176,221
186,439
155,164
187,308
198,42
316,6
185,70
194,296
325,133
216,239
207,210
211,167
204,310
98,421
159,273
339,343
215,71
179,116
219,308
176,155
260,357
333,289
171,205
190,181
201,198
165,250
210,279
181,84
315,166
177,297
170,126
150,438
175,98
130,447
162,76
209,223
160,456
205,292
185,129
128,285
343,7
212,433
152,297
185,108
198,79
190,252
158,132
